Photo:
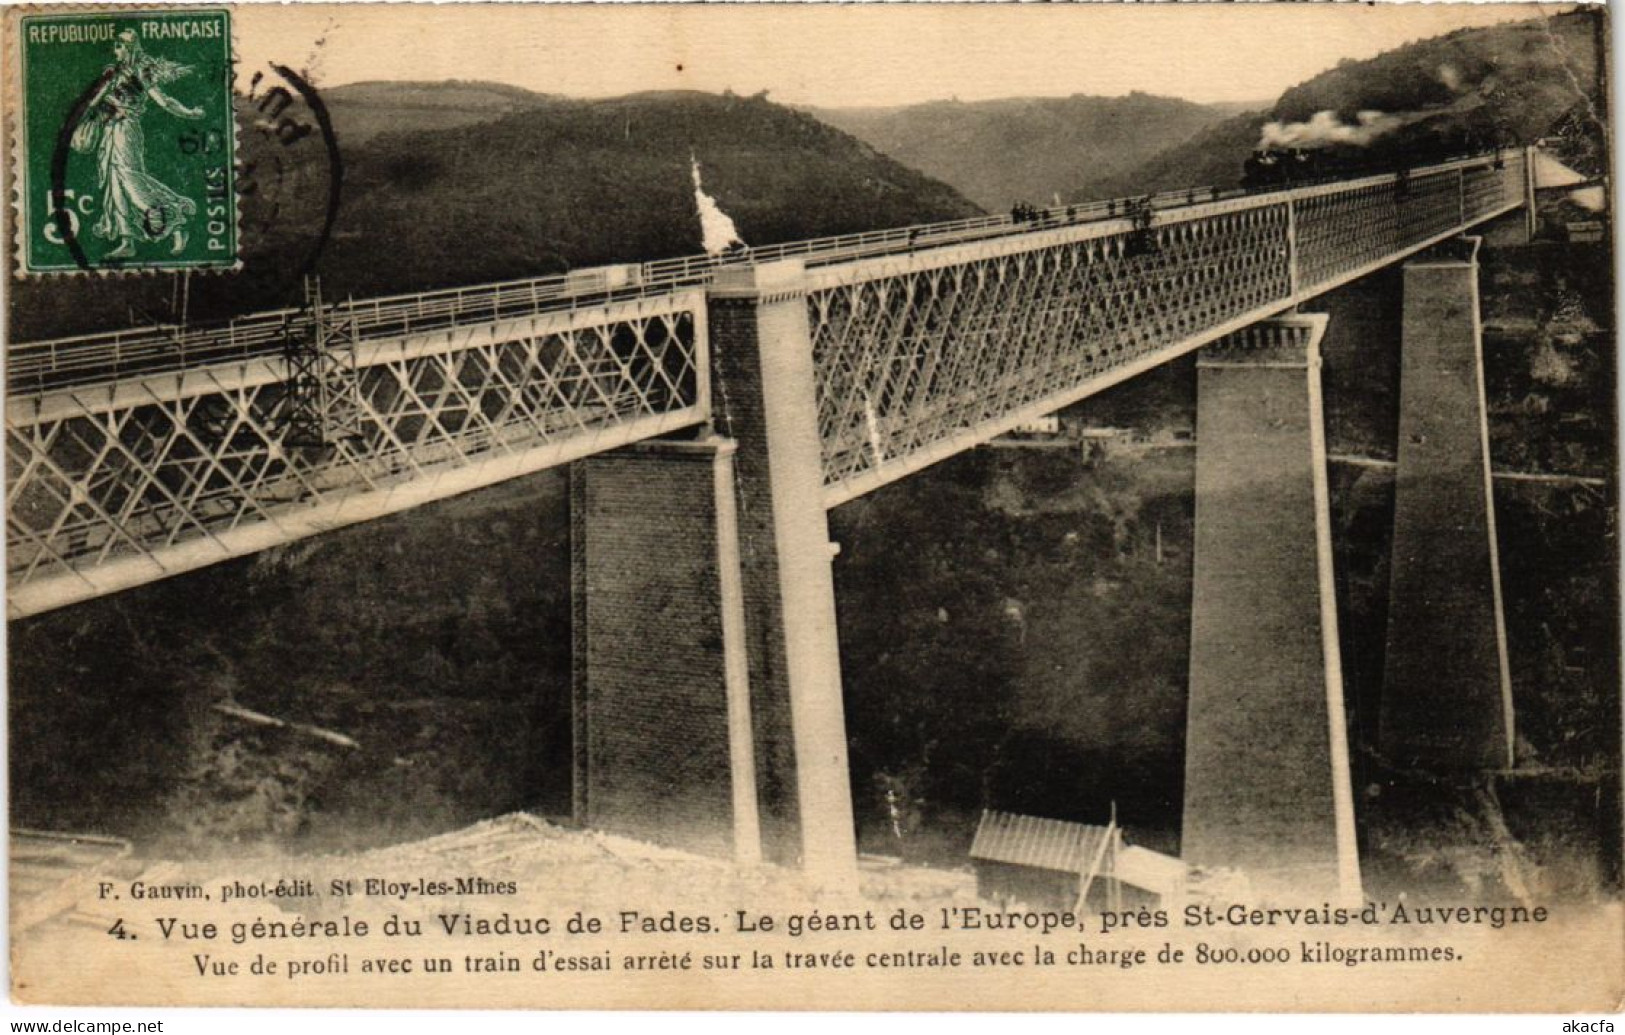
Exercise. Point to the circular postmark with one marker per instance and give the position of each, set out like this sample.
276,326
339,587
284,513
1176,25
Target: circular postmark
291,176
276,206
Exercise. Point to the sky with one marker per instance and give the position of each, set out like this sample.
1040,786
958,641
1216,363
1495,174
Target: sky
851,54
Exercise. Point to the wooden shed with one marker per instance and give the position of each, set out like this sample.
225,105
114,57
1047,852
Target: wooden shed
1038,862
1051,863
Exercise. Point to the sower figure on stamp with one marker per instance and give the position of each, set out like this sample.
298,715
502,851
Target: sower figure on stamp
134,203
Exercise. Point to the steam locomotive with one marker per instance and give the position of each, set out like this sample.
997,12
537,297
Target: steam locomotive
1280,168
1274,168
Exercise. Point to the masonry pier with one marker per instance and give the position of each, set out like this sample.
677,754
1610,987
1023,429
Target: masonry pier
1267,785
663,749
765,398
1447,689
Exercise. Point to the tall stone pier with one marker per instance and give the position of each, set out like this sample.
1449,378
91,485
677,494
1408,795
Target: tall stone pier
764,396
1267,788
1447,689
707,672
663,745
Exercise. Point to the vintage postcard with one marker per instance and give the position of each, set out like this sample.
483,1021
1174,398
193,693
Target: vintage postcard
813,507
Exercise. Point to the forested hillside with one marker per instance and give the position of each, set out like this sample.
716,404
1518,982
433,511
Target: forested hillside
552,185
1466,91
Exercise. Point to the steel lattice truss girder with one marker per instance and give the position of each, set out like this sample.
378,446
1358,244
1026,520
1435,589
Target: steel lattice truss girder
917,356
104,493
918,360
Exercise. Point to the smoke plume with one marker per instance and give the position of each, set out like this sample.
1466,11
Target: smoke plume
1325,128
717,231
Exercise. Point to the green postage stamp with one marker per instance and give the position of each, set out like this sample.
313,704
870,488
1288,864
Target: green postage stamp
126,141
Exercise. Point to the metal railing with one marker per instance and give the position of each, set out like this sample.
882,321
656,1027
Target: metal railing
105,356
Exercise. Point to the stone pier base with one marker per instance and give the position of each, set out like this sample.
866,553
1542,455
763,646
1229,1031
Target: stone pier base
1267,772
663,745
1447,688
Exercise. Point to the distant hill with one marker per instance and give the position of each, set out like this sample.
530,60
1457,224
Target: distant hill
1026,149
361,111
579,183
507,184
1212,157
1230,108
1468,90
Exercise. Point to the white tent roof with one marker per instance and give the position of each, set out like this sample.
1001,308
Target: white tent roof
1549,172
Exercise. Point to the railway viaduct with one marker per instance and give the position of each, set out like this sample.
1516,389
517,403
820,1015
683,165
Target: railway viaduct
715,412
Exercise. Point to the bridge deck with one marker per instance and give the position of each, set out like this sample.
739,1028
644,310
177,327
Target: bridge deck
135,455
40,366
